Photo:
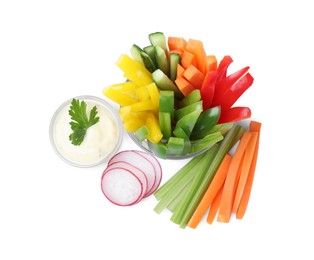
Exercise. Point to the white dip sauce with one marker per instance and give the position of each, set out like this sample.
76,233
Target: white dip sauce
99,141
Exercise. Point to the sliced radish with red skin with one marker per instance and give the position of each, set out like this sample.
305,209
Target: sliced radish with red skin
123,184
157,167
141,162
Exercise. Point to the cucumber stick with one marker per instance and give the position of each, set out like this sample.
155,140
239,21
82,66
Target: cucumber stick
136,53
158,39
162,60
165,83
174,60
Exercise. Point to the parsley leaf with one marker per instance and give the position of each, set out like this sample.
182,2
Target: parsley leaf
80,122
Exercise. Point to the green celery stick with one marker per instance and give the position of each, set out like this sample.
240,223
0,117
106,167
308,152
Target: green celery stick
176,201
199,174
186,169
206,142
176,188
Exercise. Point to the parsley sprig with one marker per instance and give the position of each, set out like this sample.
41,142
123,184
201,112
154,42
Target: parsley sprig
80,122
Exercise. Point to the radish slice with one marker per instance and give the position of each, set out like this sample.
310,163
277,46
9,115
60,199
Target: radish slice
157,167
141,162
123,184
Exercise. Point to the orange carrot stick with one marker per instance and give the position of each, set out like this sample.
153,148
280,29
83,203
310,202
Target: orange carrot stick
211,63
187,58
254,127
247,161
214,207
180,70
211,192
230,183
195,76
178,43
185,86
197,49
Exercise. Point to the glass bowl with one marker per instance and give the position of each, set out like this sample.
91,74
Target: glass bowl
101,141
144,146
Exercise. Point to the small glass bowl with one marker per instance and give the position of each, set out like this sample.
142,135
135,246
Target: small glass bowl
87,154
144,146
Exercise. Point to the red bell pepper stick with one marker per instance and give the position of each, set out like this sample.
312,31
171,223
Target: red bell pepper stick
226,83
208,89
223,66
231,95
234,114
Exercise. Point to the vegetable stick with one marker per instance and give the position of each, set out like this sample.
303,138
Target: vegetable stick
194,75
176,43
208,88
230,184
254,127
247,161
223,66
211,192
184,85
197,49
234,114
167,187
187,58
214,207
211,63
180,70
183,207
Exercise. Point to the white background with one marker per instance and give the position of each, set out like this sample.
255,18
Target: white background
51,51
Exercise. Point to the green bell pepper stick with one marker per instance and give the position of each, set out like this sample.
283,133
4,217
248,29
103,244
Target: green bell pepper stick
158,149
206,142
187,122
166,102
175,146
179,113
206,121
165,124
191,98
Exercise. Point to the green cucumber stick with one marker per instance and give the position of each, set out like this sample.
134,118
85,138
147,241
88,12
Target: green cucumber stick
231,138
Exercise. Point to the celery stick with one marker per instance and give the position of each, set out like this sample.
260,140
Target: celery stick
174,193
206,141
186,169
198,190
176,201
185,202
176,189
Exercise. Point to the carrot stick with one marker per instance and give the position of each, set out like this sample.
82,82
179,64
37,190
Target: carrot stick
180,70
254,127
230,183
187,58
193,75
185,86
214,207
211,63
211,192
247,161
178,43
197,49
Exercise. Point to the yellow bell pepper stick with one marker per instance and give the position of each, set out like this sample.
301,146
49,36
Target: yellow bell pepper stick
134,71
152,124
